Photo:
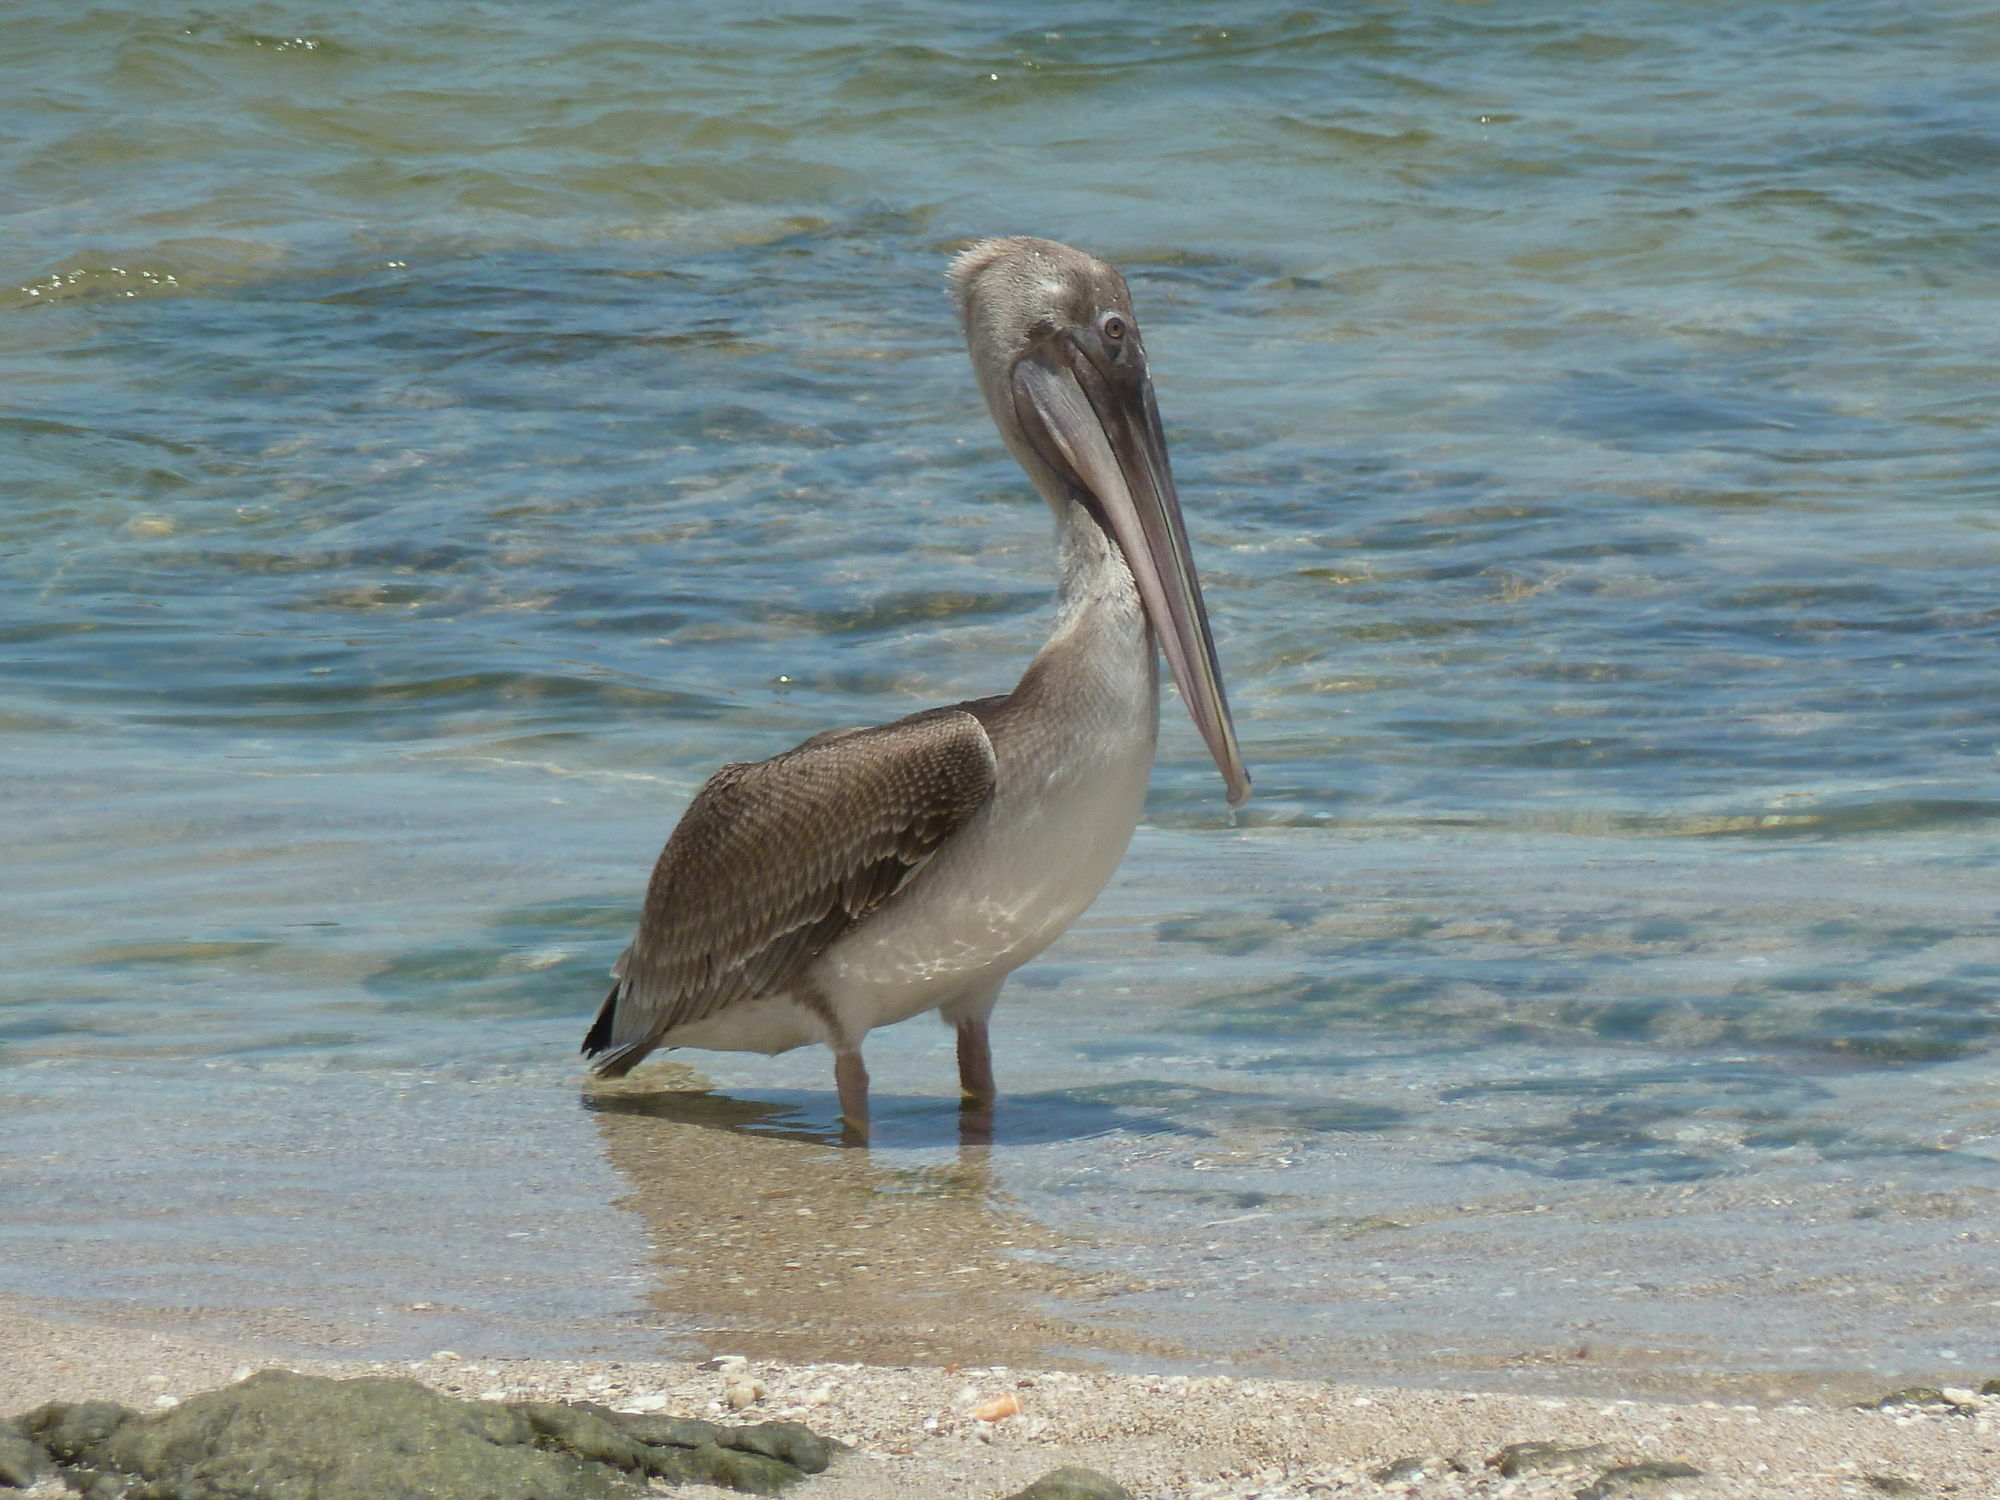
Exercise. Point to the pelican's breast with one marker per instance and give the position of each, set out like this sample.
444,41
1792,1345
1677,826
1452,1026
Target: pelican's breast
1073,750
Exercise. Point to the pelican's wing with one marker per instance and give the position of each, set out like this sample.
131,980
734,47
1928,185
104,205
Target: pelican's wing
775,859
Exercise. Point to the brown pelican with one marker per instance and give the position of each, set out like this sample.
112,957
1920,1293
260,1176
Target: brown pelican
870,875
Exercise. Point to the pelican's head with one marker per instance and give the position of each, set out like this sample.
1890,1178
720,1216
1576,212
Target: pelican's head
1060,362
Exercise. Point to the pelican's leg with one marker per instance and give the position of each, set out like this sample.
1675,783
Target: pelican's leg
850,1076
967,1016
975,1084
975,1062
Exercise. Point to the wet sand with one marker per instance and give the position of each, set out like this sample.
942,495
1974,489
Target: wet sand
915,1432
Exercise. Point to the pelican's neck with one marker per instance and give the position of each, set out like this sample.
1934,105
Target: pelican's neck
1100,658
1093,578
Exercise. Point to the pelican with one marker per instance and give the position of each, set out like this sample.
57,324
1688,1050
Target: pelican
870,875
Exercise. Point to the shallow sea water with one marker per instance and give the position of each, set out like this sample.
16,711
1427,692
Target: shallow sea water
435,437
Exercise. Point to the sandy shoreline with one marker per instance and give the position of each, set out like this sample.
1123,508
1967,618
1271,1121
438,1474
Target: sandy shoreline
1207,1438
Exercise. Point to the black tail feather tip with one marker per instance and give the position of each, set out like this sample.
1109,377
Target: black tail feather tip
598,1038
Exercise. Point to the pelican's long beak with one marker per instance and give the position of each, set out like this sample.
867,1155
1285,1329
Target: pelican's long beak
1098,425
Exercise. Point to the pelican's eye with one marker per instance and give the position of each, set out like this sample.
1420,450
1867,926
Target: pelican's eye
1113,327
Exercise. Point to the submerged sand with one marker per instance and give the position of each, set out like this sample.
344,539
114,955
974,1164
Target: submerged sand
916,1431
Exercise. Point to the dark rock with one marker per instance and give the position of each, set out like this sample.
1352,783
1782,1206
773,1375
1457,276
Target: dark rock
1910,1395
1922,1398
1517,1459
1892,1484
1072,1483
1630,1476
67,1430
1991,1388
752,1473
22,1460
280,1436
584,1429
759,1460
789,1442
1419,1466
670,1432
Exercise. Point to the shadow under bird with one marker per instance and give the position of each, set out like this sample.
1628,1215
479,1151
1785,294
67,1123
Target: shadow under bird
870,875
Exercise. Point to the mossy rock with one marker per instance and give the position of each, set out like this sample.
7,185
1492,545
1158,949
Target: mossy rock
281,1436
788,1442
1631,1476
1420,1466
671,1432
1892,1484
1073,1483
1921,1398
1517,1459
22,1460
1909,1395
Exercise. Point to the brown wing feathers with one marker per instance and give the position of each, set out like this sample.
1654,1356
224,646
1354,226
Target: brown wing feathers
775,859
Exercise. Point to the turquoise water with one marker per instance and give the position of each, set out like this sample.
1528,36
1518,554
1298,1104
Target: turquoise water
434,437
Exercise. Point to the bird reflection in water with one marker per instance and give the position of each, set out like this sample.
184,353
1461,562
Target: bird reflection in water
775,1243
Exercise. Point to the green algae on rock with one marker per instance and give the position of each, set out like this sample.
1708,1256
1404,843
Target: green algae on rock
1923,1398
1630,1476
1420,1466
1892,1484
22,1460
1073,1483
283,1436
1517,1459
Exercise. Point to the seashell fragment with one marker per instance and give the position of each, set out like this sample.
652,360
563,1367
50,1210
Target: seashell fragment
1001,1407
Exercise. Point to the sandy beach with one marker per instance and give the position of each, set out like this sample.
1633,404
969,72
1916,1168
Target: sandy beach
915,1431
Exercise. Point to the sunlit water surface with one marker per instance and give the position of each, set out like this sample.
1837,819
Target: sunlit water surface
435,437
